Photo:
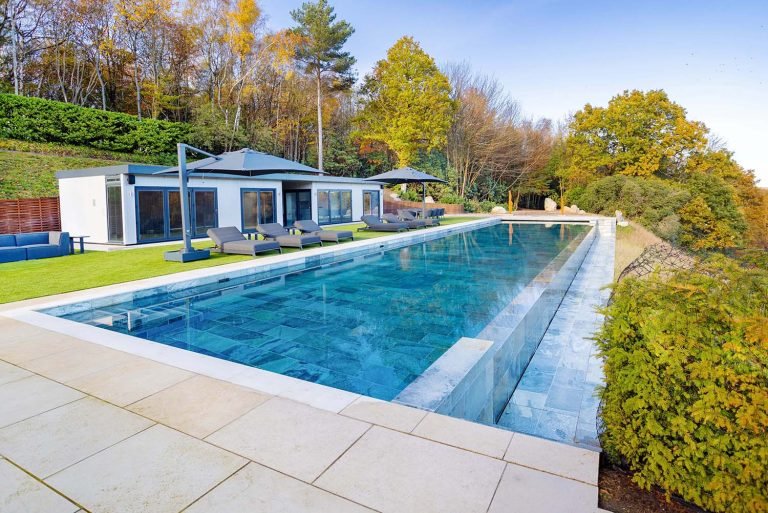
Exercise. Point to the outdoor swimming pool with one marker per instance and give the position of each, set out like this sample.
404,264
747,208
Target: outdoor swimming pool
370,324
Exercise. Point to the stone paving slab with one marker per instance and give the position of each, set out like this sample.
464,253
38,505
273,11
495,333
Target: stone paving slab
383,413
31,396
49,442
527,490
179,405
20,493
560,459
464,434
257,489
393,472
10,373
75,363
129,382
31,344
156,471
291,437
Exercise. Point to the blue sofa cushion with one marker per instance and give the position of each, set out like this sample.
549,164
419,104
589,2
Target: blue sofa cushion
7,240
27,239
12,254
35,251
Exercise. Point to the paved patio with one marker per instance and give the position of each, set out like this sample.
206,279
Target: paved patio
86,427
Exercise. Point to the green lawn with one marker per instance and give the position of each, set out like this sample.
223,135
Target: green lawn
37,278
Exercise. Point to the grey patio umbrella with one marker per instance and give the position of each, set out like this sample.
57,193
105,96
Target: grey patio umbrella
246,162
408,175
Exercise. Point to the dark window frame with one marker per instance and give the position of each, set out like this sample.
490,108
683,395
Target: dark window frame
378,203
330,219
114,182
167,214
244,190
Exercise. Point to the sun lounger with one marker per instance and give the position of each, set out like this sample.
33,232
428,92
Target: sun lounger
229,240
312,228
374,224
278,233
408,216
412,224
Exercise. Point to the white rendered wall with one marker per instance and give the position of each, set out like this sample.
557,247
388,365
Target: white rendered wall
83,203
227,198
357,196
84,209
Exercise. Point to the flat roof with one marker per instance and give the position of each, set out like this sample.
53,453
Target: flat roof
117,169
151,170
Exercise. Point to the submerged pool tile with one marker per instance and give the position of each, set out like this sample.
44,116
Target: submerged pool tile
556,426
564,398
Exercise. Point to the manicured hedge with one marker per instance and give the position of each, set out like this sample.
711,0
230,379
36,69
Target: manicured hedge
34,119
686,397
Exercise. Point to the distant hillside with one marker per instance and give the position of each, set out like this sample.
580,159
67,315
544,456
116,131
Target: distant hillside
27,170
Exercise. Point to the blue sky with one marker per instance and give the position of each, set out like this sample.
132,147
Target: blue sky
555,56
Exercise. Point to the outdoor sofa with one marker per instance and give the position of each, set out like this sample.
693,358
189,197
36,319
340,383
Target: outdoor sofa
279,234
374,224
229,240
31,246
312,228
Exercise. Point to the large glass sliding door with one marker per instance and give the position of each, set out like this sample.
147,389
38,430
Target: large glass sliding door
258,207
150,212
334,206
158,213
175,228
205,211
298,206
371,203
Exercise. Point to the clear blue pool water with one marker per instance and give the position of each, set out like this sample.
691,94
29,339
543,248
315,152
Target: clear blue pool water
369,325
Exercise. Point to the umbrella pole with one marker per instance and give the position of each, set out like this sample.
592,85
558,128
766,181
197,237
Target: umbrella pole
423,200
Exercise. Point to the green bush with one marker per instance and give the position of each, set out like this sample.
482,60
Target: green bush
451,198
409,194
686,398
648,201
471,205
37,120
486,206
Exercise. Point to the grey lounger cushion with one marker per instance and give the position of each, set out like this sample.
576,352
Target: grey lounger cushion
283,237
412,223
375,224
408,216
229,240
311,227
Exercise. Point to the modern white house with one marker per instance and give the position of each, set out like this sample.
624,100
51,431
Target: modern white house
136,203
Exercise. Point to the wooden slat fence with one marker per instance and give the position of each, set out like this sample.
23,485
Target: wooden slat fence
30,215
391,207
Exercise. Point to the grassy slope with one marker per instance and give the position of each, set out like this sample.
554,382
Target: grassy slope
27,169
32,175
630,242
37,278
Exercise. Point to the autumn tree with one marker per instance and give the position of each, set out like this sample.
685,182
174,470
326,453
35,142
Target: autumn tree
407,102
638,134
320,50
142,22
